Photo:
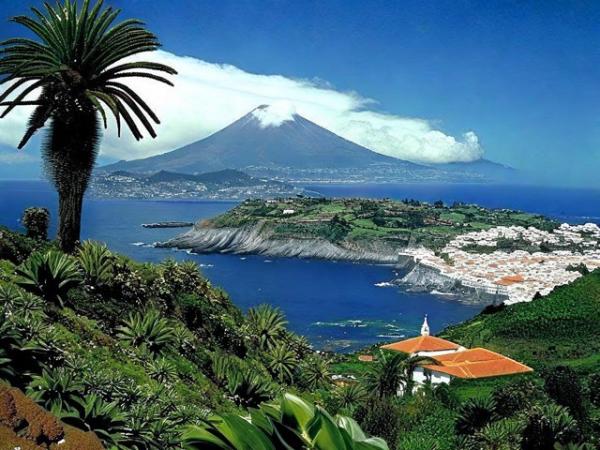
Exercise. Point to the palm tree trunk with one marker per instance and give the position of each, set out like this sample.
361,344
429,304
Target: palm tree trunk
69,154
70,205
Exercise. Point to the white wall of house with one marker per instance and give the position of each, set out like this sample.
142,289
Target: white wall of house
440,352
422,376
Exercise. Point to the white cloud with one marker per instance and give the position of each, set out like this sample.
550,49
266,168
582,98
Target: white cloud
274,114
207,97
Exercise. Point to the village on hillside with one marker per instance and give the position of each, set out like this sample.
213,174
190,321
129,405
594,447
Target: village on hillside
518,275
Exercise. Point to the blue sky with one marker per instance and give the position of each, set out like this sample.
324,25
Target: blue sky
523,76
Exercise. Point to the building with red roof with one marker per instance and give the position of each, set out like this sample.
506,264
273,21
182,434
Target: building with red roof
450,360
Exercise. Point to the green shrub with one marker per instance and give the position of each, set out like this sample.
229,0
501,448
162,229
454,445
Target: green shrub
378,416
149,330
96,261
291,424
36,222
594,388
562,384
49,275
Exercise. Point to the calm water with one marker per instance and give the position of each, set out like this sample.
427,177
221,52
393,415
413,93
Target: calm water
336,305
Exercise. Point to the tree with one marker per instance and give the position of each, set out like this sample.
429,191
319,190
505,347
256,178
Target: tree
392,372
76,65
36,221
562,384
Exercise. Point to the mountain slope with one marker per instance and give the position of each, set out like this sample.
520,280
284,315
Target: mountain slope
295,142
483,168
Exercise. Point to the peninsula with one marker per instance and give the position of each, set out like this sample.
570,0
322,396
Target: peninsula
492,253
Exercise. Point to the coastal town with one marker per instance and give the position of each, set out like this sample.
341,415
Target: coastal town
221,185
519,275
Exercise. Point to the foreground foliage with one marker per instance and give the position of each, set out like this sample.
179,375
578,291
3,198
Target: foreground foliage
292,424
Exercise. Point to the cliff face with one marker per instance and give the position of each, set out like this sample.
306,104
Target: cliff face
428,278
258,240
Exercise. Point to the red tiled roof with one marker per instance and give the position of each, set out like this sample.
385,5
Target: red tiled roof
477,363
510,279
421,344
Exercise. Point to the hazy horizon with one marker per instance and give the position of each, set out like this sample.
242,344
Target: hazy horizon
514,83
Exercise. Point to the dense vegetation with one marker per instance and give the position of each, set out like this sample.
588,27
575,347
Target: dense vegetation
137,353
154,357
396,223
562,327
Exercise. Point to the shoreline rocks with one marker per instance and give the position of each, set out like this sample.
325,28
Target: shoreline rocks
257,240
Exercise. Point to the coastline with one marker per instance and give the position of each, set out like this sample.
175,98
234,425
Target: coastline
250,240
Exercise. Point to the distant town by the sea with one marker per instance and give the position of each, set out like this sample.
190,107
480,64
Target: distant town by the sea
338,306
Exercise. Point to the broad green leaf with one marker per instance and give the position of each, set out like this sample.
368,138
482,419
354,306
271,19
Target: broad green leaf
324,433
296,412
201,438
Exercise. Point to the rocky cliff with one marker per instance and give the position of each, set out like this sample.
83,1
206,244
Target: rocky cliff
258,239
423,277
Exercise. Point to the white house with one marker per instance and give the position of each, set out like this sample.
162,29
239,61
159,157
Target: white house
451,360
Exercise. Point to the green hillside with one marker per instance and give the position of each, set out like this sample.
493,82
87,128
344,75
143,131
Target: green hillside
563,327
152,356
397,223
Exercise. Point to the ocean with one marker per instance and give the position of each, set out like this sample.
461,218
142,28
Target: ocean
337,306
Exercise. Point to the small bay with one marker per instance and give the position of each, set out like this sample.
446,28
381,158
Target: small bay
338,306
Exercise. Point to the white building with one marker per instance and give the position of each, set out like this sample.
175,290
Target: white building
450,360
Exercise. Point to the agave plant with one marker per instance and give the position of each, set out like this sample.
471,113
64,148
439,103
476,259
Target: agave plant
49,275
149,330
96,261
248,388
162,370
267,325
94,414
350,396
282,363
314,373
55,389
475,414
291,424
76,64
547,425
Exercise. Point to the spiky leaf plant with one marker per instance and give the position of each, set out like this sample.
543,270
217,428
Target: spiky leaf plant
75,68
96,261
267,324
148,330
49,275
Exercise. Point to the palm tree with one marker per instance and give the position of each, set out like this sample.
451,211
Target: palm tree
392,372
76,65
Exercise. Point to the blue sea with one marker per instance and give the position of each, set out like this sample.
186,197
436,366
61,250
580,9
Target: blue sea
338,306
